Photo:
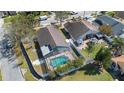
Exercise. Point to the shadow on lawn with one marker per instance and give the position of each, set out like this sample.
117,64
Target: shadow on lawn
91,69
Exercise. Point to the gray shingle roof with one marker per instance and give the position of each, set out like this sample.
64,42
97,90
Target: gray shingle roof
51,36
107,20
120,14
76,29
117,27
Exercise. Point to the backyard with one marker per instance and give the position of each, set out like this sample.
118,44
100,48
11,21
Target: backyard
88,73
95,50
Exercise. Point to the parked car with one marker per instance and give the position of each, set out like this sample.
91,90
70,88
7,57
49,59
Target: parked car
53,22
107,39
43,18
73,13
99,35
94,40
89,36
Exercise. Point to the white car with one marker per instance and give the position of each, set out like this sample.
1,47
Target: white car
42,18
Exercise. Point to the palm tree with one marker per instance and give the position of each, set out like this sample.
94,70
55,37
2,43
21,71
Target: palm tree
103,58
20,26
90,47
118,46
61,15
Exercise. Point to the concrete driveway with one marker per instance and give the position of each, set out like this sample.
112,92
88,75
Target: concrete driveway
49,20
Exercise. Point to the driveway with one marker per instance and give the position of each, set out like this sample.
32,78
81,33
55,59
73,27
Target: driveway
49,20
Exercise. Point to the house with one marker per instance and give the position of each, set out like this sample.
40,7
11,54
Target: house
7,13
53,46
120,14
106,20
117,27
118,64
77,31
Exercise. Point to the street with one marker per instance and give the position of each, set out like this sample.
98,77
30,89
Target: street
52,17
9,69
82,14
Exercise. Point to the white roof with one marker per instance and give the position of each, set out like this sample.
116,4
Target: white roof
37,62
45,50
121,36
43,16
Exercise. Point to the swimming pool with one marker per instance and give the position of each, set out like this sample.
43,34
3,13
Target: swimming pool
55,62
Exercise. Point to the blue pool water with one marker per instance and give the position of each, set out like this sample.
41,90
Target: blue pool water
58,61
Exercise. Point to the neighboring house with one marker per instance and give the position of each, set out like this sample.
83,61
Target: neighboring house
118,64
117,27
54,48
120,14
77,31
7,13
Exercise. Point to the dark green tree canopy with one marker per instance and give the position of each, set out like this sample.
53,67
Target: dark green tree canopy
104,57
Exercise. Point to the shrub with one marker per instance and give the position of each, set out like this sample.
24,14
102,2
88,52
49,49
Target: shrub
77,63
71,64
52,74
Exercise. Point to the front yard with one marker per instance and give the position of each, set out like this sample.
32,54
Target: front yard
23,64
88,73
0,76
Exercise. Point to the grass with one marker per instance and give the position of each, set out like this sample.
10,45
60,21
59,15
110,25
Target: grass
21,60
32,54
28,76
0,76
38,69
44,13
88,73
92,54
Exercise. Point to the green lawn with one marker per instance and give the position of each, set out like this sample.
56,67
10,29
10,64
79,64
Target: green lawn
28,76
21,60
0,76
88,73
96,48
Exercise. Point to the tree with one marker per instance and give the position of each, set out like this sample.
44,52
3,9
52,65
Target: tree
106,29
118,45
20,26
61,15
78,63
103,57
52,75
90,47
111,13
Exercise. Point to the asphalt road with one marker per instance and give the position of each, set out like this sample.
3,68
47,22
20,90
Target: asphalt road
82,14
9,69
52,17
